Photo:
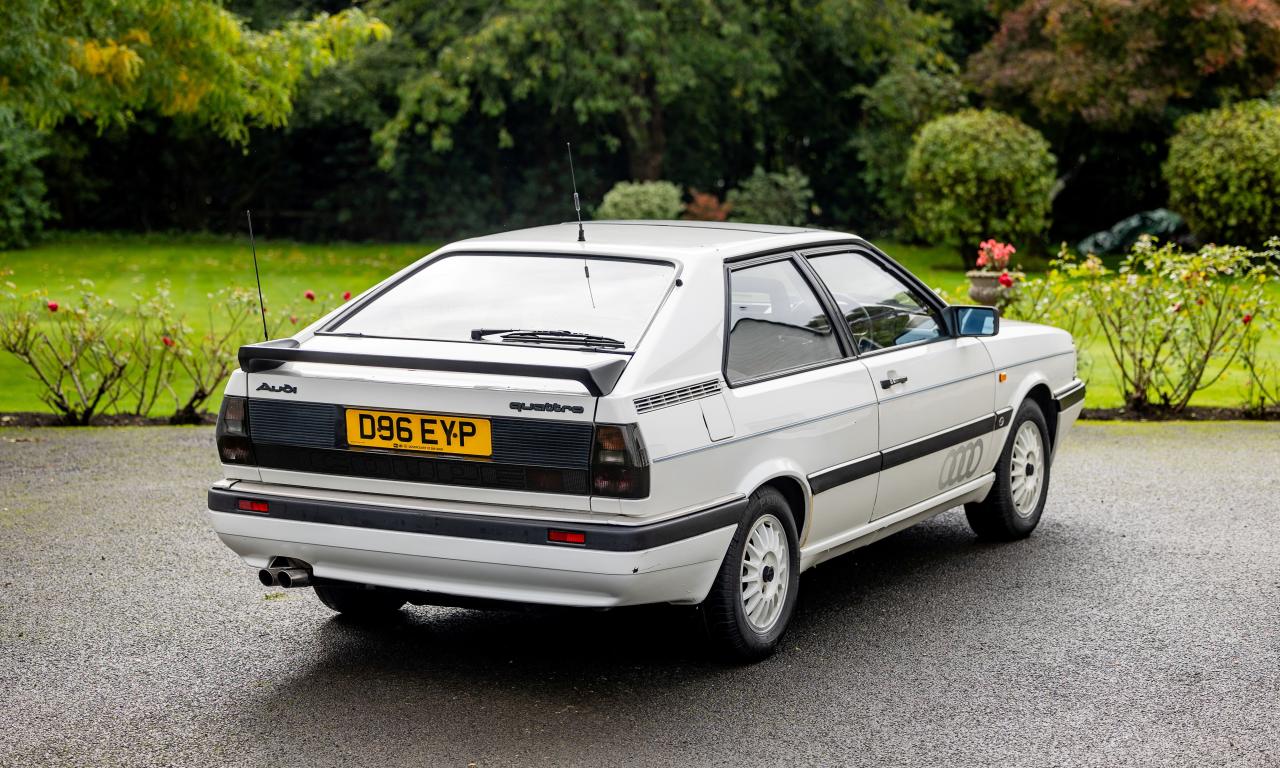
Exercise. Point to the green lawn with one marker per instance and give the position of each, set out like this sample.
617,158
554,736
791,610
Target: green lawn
195,266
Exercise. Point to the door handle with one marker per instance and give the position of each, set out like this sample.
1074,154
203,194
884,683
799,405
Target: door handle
886,383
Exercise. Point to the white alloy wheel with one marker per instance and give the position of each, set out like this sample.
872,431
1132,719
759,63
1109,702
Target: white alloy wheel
1026,469
766,565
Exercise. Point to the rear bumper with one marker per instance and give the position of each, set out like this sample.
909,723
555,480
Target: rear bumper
496,558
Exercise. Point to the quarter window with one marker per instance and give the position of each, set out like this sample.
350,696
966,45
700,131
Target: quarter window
881,310
776,323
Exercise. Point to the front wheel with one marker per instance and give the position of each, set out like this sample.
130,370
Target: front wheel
1013,507
754,594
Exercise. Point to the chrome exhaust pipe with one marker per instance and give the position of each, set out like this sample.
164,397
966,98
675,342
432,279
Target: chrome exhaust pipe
293,577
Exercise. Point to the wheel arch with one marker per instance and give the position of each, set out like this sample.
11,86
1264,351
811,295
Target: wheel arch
1042,396
793,490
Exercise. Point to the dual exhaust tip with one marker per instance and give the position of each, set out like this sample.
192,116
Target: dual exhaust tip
285,577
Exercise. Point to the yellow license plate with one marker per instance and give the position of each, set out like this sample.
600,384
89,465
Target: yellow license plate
419,432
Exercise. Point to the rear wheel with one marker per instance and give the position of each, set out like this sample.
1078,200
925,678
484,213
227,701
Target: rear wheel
360,601
754,594
1013,508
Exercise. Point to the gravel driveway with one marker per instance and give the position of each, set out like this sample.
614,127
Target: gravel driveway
1139,626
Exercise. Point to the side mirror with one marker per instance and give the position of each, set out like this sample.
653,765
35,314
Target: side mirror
973,321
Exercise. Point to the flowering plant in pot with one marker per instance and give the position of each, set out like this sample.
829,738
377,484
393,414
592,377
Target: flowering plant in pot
992,283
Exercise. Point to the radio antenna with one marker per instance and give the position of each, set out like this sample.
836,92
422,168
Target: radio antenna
262,308
577,206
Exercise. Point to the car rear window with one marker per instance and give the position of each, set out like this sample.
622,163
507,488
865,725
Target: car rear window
449,298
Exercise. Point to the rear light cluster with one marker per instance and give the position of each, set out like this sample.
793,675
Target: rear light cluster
619,464
232,433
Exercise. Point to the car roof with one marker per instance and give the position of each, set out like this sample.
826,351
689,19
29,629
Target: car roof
635,238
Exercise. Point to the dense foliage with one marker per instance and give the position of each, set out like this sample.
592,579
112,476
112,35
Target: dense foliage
979,174
419,119
641,200
1223,172
773,198
23,209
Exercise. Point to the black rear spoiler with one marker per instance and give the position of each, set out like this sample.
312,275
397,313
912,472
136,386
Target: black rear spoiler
599,377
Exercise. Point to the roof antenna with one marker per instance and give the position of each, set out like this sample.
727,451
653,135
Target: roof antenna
577,206
262,308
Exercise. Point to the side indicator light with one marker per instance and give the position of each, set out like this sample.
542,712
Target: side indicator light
1004,377
249,505
566,537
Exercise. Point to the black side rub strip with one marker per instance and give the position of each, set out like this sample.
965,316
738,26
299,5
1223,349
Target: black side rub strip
599,377
611,538
856,470
1070,396
846,473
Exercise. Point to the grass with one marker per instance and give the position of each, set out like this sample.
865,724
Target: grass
195,266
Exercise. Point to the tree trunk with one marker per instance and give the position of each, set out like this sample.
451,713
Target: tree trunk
648,140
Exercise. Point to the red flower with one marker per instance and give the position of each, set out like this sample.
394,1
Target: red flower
293,319
1247,319
346,295
53,306
168,342
1006,280
310,295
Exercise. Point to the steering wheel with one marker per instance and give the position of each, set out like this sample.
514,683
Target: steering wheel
861,337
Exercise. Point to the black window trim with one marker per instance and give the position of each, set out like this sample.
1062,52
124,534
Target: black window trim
839,329
332,327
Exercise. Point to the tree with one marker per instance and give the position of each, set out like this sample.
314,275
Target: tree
1110,63
615,65
105,61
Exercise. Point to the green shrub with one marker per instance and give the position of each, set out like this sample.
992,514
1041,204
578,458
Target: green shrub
1223,172
906,97
23,209
980,174
641,200
773,198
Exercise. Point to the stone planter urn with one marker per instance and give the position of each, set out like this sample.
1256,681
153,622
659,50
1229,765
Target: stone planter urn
985,287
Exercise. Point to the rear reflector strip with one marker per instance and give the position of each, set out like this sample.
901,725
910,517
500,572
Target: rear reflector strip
566,537
249,505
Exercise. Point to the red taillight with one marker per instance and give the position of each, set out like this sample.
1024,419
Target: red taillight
232,433
566,537
249,505
619,464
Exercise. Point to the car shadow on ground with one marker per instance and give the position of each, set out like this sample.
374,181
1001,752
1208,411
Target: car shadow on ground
430,652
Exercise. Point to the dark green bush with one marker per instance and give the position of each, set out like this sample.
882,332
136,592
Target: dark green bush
773,198
980,174
23,209
641,200
1223,172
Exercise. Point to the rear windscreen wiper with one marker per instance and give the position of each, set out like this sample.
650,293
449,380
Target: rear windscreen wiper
550,337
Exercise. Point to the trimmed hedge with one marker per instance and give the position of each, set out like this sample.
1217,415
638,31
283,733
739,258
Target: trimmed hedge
785,199
980,174
641,200
1223,172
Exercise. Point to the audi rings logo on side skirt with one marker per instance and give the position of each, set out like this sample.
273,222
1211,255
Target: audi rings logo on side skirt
960,464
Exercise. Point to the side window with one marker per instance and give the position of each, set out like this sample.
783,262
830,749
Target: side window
776,323
881,310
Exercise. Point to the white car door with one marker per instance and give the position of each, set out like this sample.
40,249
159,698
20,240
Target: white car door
935,392
798,393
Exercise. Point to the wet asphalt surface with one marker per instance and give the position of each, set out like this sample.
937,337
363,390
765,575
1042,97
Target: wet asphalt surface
1139,626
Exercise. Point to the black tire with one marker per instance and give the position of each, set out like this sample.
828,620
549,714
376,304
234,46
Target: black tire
360,601
996,518
724,615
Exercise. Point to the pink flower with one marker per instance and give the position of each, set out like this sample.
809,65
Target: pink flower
53,306
168,342
1177,307
982,258
309,294
346,295
1006,280
1248,318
